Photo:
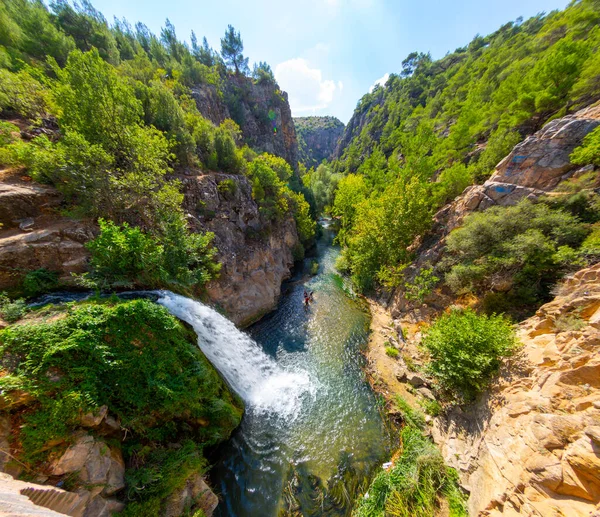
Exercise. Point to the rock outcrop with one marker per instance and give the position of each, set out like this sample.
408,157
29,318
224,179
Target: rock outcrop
534,167
532,447
33,235
260,109
317,138
256,256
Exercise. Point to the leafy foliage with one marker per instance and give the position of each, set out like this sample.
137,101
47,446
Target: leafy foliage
519,251
11,310
126,256
466,350
133,357
449,122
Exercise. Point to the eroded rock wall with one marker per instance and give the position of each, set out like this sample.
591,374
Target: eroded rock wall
256,256
532,446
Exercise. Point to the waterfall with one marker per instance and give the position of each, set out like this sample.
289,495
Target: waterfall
257,378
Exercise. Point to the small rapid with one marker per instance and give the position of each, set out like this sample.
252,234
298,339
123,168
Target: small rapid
261,383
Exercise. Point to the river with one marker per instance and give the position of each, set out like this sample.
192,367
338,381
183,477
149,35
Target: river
312,434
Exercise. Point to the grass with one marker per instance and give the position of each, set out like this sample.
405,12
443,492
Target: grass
418,479
569,322
431,407
391,351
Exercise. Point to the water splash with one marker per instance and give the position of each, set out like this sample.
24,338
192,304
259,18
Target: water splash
264,385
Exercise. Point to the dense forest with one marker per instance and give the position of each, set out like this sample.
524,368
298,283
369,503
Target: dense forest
439,126
107,113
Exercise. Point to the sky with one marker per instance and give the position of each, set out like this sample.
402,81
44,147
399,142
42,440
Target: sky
328,53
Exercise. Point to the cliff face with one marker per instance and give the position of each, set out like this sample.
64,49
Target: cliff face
260,109
317,138
256,256
532,446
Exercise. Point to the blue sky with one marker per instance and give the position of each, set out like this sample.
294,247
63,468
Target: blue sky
327,53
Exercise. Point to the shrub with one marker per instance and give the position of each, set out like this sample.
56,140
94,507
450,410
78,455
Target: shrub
127,256
39,281
12,310
466,350
133,357
22,94
520,250
227,188
421,286
314,267
391,351
431,407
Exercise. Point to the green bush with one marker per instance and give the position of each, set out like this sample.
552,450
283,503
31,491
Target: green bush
133,357
466,350
431,407
314,267
227,188
126,256
520,251
40,281
391,351
21,94
12,310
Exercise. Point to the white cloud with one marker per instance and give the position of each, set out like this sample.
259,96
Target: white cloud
306,88
381,82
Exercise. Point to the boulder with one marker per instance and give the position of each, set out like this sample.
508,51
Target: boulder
416,380
94,462
193,496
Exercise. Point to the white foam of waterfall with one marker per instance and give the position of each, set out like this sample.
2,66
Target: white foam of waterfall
257,378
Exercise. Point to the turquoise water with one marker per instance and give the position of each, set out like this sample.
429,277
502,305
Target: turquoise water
314,447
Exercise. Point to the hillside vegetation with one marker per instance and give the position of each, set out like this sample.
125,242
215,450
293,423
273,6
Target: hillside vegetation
437,127
105,112
130,359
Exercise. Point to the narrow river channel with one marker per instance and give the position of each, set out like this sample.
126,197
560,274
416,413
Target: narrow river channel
311,452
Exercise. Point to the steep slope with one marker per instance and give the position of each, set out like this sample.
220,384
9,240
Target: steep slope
533,168
317,138
261,110
532,446
256,255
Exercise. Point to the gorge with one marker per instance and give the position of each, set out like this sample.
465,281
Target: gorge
165,221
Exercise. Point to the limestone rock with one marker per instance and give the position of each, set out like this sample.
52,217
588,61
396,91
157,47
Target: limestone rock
416,380
256,256
317,138
193,496
94,462
532,446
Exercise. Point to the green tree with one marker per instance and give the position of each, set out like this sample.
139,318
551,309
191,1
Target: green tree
232,49
351,192
466,350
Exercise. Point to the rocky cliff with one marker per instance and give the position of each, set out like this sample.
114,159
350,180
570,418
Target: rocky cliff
260,109
317,138
532,446
256,256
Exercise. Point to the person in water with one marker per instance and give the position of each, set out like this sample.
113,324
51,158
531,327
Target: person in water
306,299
